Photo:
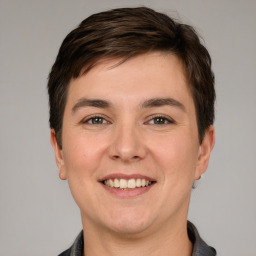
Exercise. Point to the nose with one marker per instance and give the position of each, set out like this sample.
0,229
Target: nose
127,144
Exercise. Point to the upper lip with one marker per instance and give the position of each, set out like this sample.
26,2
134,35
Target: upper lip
125,176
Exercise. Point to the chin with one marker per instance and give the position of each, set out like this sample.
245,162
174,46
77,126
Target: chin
130,224
129,228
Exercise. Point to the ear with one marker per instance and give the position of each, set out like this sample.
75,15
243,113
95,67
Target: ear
205,151
58,156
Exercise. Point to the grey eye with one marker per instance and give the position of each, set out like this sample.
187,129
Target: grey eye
160,120
96,120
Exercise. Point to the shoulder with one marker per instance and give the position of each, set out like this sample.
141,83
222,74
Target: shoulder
77,248
66,253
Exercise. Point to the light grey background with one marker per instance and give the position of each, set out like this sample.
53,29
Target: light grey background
38,215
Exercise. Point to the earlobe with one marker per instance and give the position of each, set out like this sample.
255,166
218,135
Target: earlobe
205,152
58,155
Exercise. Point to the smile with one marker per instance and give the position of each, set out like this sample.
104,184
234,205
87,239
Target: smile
127,184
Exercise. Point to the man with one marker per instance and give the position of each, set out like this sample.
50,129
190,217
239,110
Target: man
131,113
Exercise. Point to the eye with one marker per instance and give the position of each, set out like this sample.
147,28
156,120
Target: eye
160,120
95,120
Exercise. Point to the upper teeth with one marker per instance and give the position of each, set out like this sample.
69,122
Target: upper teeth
123,183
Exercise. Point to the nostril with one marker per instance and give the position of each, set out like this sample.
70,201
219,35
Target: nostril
125,158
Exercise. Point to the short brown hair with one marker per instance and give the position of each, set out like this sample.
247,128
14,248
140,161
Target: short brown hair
125,33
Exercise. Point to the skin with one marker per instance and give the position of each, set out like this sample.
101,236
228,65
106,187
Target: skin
129,139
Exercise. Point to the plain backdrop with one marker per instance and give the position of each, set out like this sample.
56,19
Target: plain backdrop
37,214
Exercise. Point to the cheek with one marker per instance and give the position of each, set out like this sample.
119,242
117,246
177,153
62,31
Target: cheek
177,156
81,159
82,152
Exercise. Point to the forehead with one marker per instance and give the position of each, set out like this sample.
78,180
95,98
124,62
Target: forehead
155,73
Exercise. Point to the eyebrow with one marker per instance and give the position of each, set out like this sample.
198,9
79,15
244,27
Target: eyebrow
155,102
159,102
97,103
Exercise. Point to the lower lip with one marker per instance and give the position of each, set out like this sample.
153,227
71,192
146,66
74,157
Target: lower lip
128,192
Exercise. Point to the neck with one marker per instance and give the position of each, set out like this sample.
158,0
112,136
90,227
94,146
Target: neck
172,238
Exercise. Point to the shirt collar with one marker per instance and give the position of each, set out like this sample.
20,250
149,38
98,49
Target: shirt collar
200,248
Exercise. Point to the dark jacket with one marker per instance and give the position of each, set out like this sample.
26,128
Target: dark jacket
200,248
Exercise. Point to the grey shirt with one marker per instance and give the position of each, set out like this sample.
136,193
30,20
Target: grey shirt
200,248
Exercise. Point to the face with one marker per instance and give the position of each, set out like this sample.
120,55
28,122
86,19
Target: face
130,148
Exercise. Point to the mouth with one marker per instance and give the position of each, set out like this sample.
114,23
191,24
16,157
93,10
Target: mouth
127,184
